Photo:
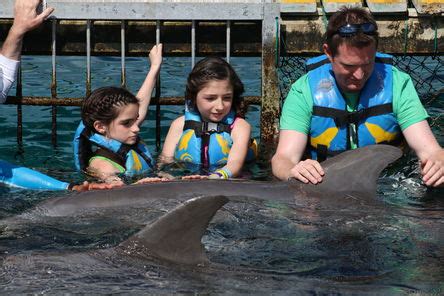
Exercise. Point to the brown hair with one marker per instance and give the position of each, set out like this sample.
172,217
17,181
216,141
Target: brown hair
103,105
208,69
352,15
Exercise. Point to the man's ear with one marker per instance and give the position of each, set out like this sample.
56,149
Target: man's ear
327,52
99,127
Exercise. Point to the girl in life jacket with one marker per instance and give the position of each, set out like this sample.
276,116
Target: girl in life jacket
211,133
107,142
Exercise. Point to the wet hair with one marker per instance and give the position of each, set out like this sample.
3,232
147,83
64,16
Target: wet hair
103,105
208,69
352,15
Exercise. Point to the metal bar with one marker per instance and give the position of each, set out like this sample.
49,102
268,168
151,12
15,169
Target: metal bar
118,10
88,58
193,43
19,94
157,94
270,90
54,83
49,101
228,40
123,48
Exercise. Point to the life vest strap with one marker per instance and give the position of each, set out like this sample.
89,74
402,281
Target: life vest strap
323,153
115,157
206,128
343,117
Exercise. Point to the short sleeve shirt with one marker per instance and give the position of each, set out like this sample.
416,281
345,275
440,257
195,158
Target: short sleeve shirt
298,106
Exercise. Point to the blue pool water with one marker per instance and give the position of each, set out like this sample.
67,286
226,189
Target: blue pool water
256,246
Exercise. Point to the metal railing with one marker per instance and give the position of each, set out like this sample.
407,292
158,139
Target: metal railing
264,11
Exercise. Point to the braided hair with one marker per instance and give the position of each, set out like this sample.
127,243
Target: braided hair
103,105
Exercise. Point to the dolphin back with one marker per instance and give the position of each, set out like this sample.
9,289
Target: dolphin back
353,172
177,235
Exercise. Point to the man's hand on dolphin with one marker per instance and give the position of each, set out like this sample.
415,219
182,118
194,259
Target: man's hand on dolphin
308,171
432,169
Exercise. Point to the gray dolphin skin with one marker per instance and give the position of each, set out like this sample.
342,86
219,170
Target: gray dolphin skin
176,236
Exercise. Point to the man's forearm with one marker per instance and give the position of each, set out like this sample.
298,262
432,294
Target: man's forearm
281,167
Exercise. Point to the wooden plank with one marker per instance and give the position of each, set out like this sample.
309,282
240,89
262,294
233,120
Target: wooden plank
387,6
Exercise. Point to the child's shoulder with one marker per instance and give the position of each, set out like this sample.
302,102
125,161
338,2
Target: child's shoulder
178,122
241,122
241,127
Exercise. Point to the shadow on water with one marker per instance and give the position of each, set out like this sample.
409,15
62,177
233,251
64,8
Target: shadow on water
391,245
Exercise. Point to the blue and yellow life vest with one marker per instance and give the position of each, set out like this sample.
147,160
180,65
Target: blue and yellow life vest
331,123
136,159
208,143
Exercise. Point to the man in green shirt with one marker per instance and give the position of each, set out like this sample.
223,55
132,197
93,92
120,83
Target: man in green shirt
352,77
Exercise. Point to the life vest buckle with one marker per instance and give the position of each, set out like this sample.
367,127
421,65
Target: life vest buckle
210,127
351,117
356,116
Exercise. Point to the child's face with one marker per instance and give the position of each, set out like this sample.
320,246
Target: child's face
214,101
124,127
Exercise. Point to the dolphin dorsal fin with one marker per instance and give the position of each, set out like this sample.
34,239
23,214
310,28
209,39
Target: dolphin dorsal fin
177,235
354,171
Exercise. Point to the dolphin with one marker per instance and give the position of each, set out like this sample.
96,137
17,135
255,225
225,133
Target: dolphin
350,179
352,174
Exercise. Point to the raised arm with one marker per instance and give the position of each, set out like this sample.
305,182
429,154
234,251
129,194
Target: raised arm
286,163
145,91
26,19
421,139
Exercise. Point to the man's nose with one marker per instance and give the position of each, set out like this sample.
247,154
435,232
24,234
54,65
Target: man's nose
359,73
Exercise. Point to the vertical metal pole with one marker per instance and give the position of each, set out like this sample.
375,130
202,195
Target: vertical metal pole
193,43
122,45
270,86
88,58
157,93
54,84
19,94
228,40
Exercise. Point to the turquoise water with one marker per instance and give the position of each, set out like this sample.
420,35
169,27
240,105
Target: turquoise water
395,247
71,73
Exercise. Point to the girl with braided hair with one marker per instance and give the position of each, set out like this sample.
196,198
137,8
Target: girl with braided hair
107,142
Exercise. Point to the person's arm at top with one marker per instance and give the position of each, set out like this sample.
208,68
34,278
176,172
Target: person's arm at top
240,135
25,20
420,138
145,91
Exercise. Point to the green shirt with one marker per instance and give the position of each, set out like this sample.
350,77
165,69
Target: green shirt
298,106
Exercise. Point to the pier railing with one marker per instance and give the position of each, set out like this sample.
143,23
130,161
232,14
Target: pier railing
241,28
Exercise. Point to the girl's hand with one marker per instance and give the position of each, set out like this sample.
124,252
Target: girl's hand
194,177
151,180
86,186
156,56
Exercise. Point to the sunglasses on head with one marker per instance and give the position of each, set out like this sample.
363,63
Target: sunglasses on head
353,29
